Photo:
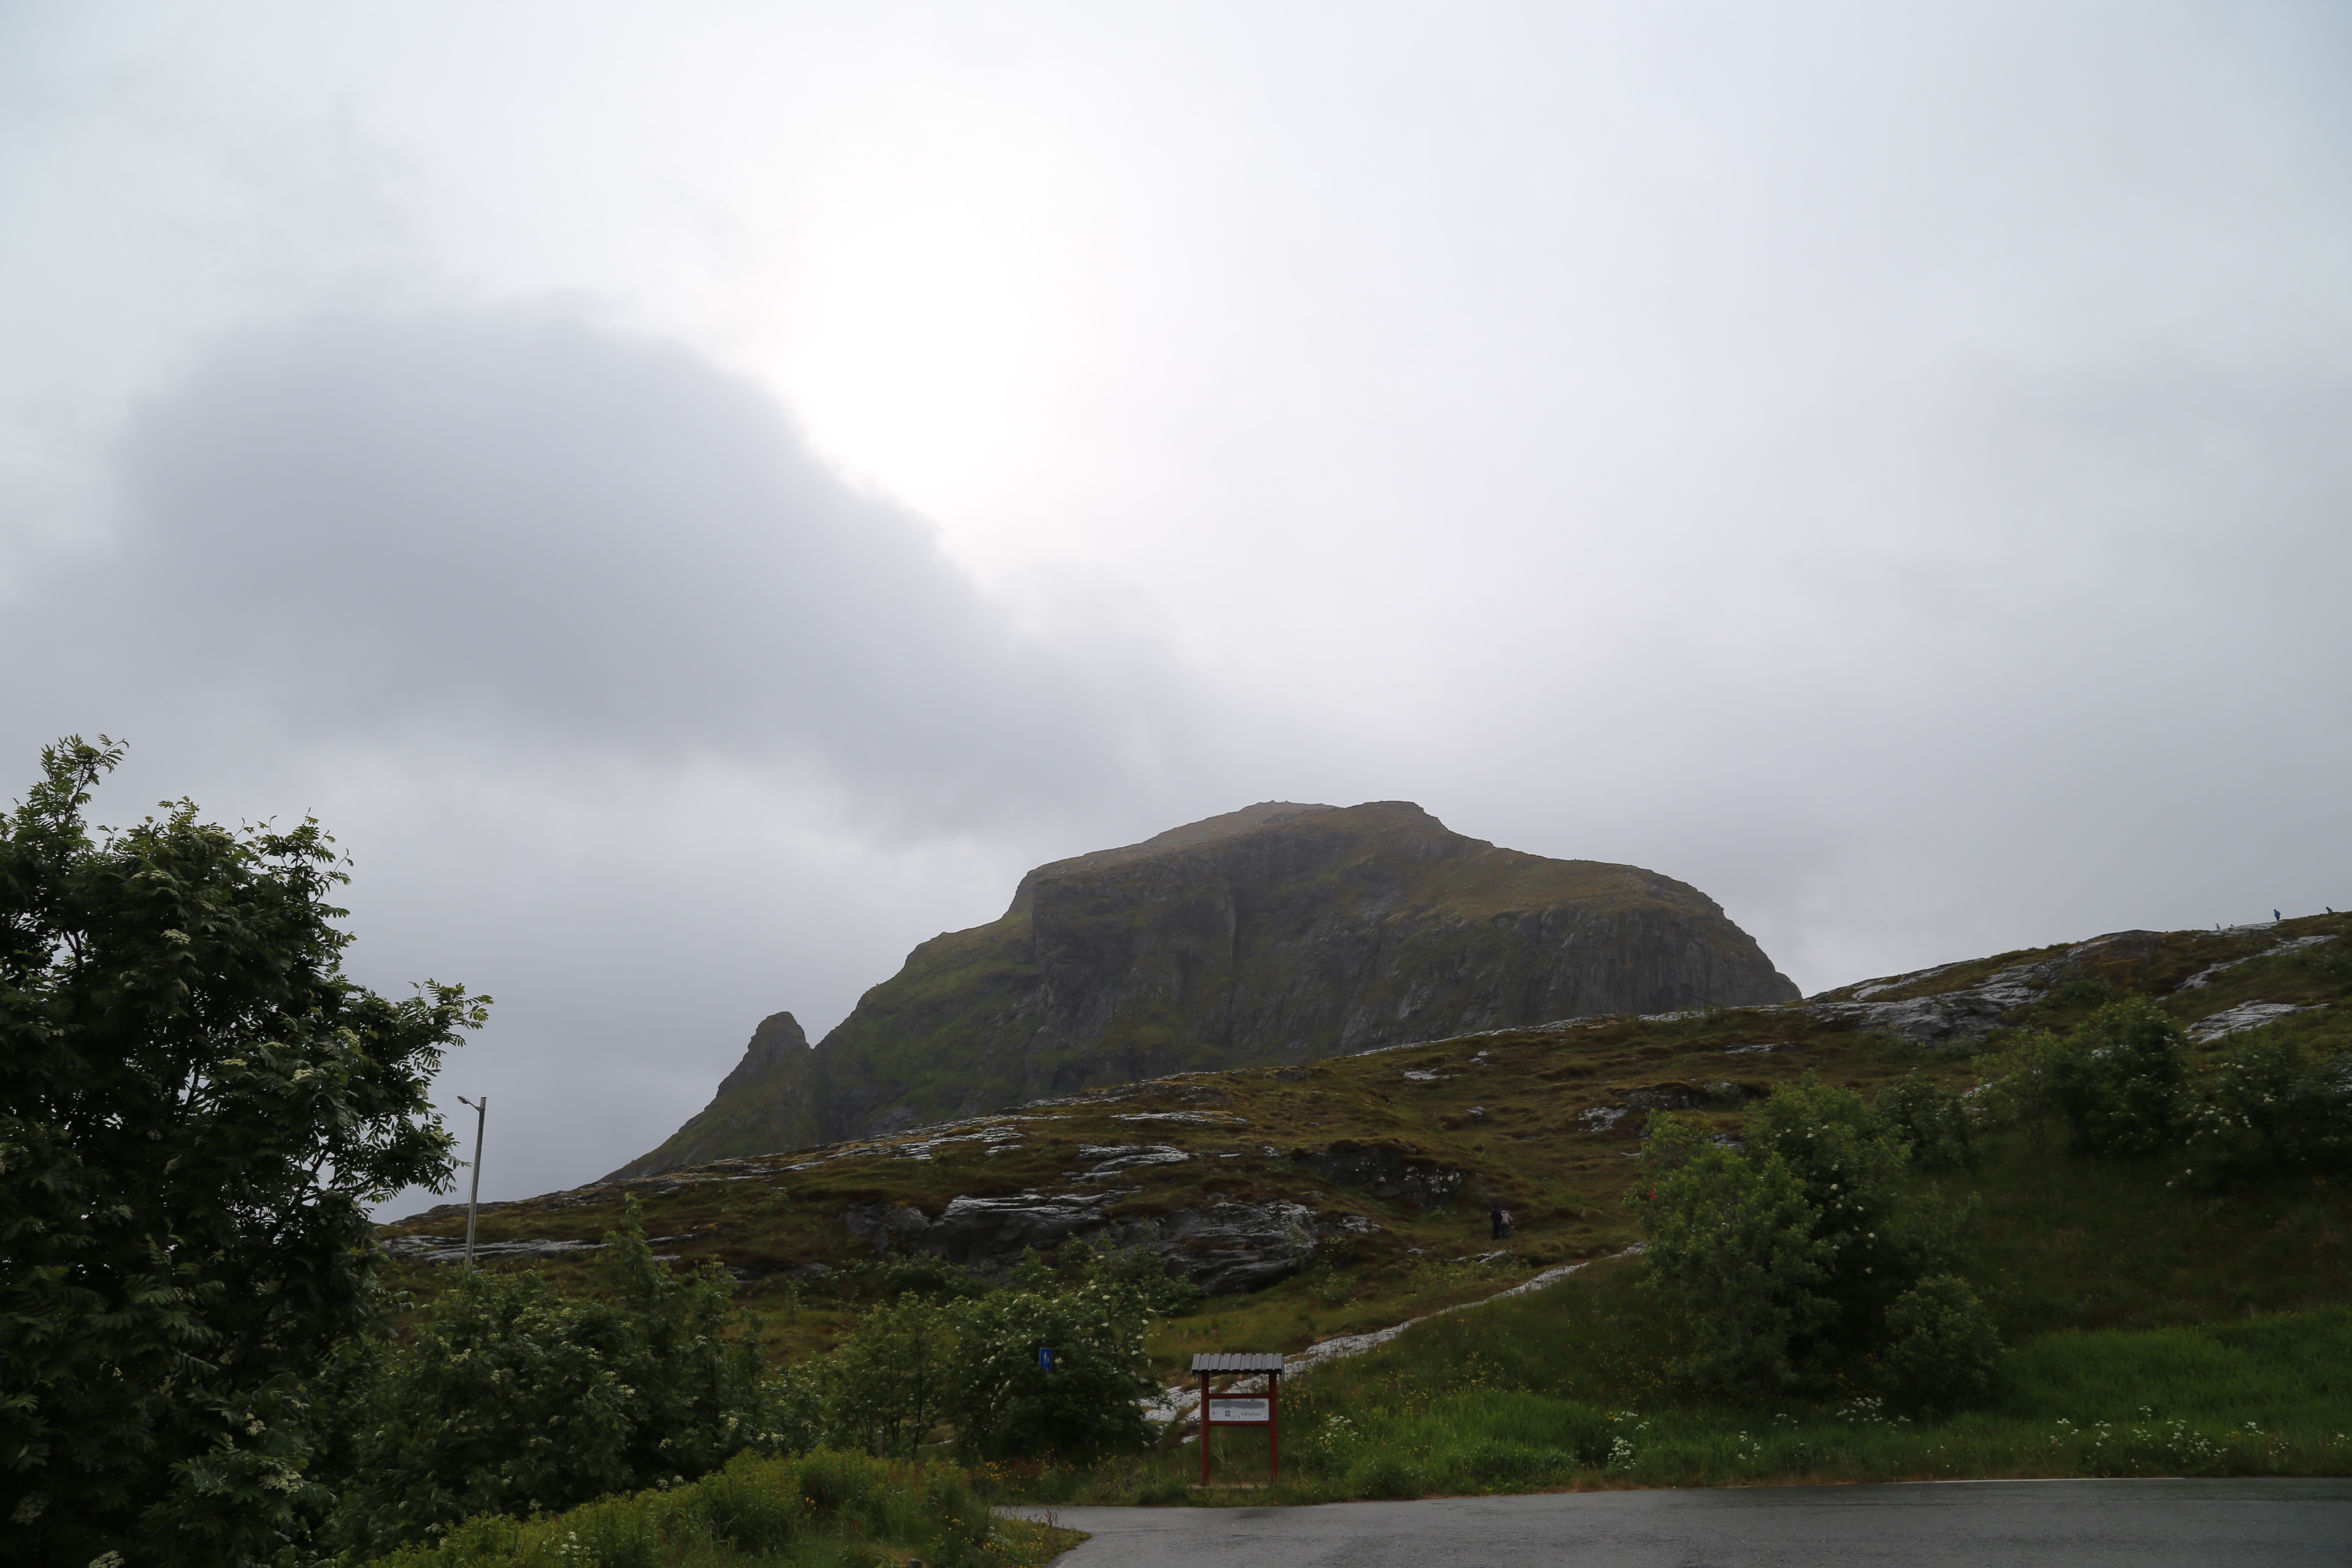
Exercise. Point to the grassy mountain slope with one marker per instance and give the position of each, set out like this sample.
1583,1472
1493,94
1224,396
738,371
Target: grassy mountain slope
1273,935
1544,1120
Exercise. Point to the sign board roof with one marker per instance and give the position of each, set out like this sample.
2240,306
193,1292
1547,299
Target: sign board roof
1237,1361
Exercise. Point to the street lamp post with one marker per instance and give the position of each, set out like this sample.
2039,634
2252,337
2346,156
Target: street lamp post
474,1196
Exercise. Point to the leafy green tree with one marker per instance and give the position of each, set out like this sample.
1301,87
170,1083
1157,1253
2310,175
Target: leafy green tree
1852,1162
2123,1083
510,1398
1733,1243
885,1389
1789,1254
196,1110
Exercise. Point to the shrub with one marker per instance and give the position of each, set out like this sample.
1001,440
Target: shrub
1004,1405
1877,1237
1933,1120
2024,1090
759,1507
2122,1084
2296,1109
1940,1345
2080,988
973,1359
1791,1254
794,1409
511,1398
1384,1474
505,1400
883,1390
1733,1244
920,1275
1145,1277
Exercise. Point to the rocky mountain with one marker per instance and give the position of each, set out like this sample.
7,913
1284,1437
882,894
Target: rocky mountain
1277,935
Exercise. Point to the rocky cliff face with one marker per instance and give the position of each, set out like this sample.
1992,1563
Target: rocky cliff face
762,1106
1276,934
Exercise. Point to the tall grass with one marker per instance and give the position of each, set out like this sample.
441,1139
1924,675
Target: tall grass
1564,1389
2289,1371
821,1510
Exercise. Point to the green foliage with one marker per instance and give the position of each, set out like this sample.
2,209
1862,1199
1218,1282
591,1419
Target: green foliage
916,1274
511,1398
1035,1272
1137,1274
826,1507
1851,1163
1733,1244
973,1359
2284,1368
2292,1106
1941,1345
195,1109
2023,1092
2079,989
2121,1084
1386,1473
1089,1405
1933,1120
1475,1438
1787,1256
1426,1416
883,1390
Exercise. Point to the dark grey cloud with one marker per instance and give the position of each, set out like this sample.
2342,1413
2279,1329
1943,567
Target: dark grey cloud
514,522
633,711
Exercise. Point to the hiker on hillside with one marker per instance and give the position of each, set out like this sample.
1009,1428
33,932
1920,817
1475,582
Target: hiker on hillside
1501,1220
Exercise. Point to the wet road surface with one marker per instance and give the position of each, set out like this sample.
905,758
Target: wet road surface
1995,1524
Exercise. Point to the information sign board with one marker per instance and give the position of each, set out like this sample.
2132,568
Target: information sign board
1222,1410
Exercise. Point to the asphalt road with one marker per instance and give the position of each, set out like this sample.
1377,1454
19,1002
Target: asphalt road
1998,1524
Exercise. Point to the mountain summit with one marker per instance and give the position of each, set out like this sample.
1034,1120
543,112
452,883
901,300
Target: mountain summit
1275,934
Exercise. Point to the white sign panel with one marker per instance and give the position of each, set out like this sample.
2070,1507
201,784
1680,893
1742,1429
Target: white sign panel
1239,1410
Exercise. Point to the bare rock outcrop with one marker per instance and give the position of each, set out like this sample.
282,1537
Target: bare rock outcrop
1962,1013
1225,1248
1385,1170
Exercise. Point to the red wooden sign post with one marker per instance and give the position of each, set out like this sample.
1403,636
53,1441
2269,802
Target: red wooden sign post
1242,1412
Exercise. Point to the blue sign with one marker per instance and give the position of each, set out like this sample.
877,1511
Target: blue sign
1044,1359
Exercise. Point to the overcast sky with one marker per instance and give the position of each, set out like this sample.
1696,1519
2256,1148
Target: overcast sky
698,498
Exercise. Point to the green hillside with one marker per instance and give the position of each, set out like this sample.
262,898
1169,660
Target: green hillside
1395,1155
